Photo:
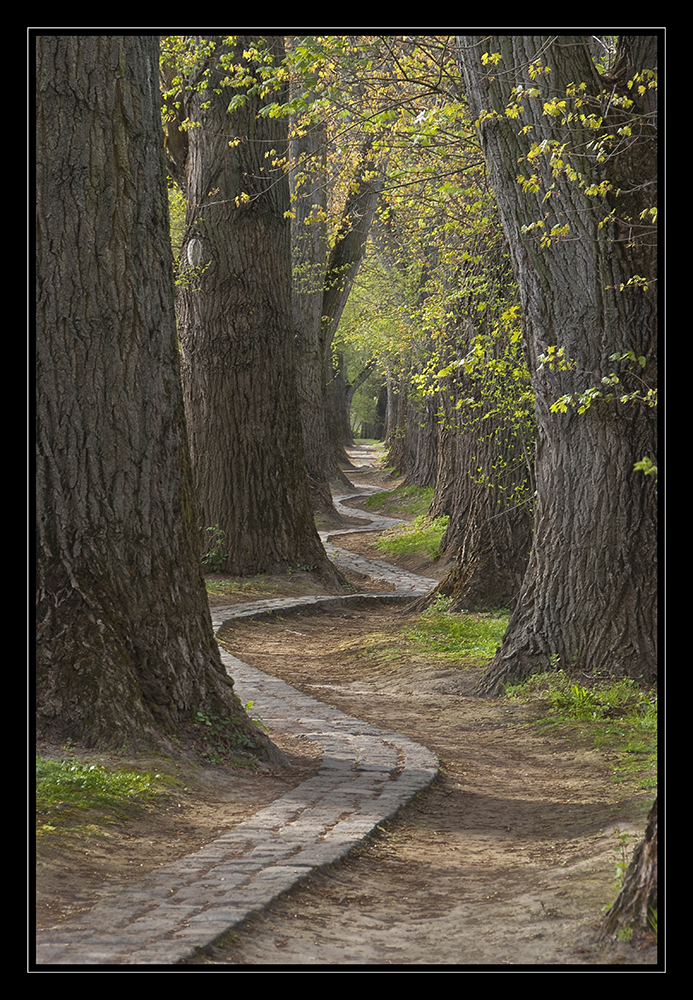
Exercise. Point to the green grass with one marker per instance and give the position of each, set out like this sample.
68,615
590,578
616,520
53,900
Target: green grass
436,636
72,793
421,538
222,587
617,717
262,585
405,500
471,637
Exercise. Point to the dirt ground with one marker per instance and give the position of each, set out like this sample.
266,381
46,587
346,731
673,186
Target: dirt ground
507,860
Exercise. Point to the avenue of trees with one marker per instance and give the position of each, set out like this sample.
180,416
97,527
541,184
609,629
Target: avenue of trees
470,221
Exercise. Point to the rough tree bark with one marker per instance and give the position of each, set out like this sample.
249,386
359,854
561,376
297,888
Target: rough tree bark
125,649
340,398
589,596
413,433
323,280
307,150
237,332
485,481
635,909
490,529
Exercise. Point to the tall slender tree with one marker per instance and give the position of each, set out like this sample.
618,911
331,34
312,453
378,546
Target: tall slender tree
572,155
342,267
125,649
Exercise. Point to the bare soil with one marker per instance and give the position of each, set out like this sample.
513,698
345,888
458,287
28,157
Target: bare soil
507,860
76,866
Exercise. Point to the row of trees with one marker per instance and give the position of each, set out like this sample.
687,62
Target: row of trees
518,214
504,186
568,130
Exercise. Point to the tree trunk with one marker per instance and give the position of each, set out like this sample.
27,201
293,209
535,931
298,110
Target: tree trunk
413,434
307,149
482,484
340,395
451,483
237,336
636,907
338,424
350,243
490,529
125,649
399,442
590,592
427,441
352,388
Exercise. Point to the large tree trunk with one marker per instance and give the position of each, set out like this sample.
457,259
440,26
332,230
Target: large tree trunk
237,335
589,596
635,909
125,649
400,441
427,443
413,433
485,481
340,395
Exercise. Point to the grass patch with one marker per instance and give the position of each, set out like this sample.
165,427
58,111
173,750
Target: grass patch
404,500
382,647
298,580
472,637
222,587
84,795
617,717
420,538
466,640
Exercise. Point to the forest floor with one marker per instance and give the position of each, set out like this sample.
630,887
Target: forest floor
507,860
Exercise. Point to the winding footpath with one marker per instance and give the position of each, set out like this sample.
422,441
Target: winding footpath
366,775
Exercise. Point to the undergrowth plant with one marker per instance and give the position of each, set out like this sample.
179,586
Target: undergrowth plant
467,638
70,791
222,740
214,557
616,715
421,538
